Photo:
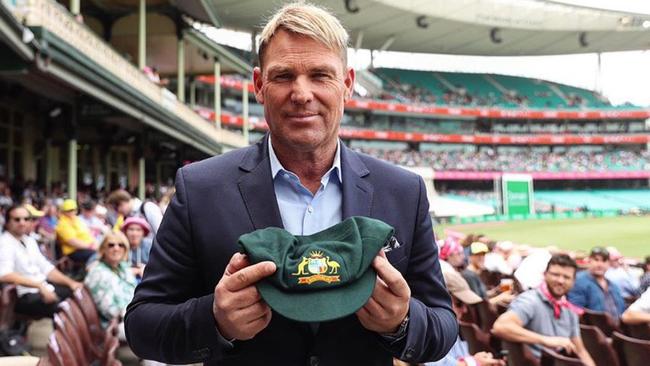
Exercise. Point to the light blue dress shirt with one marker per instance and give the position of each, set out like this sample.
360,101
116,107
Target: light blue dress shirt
304,213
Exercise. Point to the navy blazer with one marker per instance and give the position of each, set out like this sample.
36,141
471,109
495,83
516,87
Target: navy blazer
217,200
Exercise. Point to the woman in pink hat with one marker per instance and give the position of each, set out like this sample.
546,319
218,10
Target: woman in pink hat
136,229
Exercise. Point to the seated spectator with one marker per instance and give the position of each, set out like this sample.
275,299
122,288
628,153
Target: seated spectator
89,217
136,229
471,275
639,311
47,223
543,317
595,292
40,286
645,279
110,281
73,235
120,203
619,274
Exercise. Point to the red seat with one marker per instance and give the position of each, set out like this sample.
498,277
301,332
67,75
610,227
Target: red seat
89,310
552,358
640,331
599,347
477,340
63,324
8,299
631,351
600,320
519,354
59,351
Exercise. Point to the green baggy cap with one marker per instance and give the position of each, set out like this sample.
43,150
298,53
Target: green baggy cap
319,277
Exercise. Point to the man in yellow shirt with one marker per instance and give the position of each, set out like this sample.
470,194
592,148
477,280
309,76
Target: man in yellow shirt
73,235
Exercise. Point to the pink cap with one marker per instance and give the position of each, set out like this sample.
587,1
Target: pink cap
134,220
451,246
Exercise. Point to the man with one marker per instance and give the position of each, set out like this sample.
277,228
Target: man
120,201
639,311
73,235
97,228
595,292
619,274
302,178
40,286
543,317
645,278
471,274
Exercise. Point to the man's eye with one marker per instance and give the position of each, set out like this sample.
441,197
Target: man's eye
282,77
321,75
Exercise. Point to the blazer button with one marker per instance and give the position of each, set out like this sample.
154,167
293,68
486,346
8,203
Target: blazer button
314,361
409,354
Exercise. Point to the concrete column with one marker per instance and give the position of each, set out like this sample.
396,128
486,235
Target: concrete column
108,169
48,165
180,91
244,102
72,168
75,7
192,93
217,94
142,35
29,163
141,180
11,145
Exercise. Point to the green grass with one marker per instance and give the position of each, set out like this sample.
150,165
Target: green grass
631,235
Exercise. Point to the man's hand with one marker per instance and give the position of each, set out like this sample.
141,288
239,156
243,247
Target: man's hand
389,303
486,358
74,285
238,307
557,343
48,295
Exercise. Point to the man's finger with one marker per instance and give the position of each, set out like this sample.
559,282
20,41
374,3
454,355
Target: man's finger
247,297
237,262
392,277
249,275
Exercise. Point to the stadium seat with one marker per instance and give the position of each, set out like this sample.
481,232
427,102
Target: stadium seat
599,346
552,358
519,354
640,331
63,324
87,306
477,340
631,351
600,320
486,315
8,299
59,351
92,350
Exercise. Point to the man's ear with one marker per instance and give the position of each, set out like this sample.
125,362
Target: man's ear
349,84
258,82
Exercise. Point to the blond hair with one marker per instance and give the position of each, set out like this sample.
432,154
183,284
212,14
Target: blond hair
308,20
114,237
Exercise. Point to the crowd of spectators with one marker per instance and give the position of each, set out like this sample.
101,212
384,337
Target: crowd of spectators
488,160
51,246
537,299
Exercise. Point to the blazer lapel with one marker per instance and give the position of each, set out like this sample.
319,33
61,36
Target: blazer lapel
357,192
256,188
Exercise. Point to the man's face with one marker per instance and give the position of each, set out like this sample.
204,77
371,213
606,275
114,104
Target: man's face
19,223
477,260
303,86
135,234
598,265
456,259
559,279
124,208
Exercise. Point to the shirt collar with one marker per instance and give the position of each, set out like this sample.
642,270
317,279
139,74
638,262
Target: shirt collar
276,166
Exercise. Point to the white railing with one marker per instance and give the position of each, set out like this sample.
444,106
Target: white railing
56,19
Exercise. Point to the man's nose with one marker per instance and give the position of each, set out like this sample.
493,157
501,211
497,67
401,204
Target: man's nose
301,91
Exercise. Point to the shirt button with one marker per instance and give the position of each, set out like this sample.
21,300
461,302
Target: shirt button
314,361
310,209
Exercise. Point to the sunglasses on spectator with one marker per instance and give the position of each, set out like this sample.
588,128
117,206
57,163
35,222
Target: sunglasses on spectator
121,245
19,219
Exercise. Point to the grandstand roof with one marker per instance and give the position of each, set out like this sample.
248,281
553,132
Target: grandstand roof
467,27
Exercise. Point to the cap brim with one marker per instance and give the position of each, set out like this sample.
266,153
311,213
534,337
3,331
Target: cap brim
319,305
468,296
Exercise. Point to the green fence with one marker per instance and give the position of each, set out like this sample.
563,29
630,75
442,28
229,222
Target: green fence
535,216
